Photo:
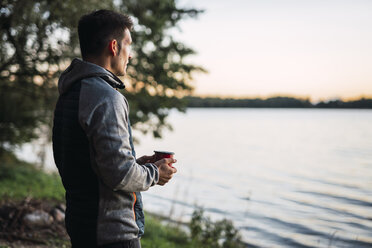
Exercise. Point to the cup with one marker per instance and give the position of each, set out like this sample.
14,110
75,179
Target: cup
163,154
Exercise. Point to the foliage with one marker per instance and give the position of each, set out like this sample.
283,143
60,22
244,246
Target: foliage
203,232
19,179
273,102
158,75
362,103
206,233
162,235
38,38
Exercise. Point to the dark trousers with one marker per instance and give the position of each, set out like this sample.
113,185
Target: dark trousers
134,243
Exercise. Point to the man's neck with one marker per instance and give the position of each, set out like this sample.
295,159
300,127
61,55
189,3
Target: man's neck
103,62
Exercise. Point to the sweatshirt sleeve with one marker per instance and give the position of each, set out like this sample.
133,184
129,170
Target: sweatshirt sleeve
105,121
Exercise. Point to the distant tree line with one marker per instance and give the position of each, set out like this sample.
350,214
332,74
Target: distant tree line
274,102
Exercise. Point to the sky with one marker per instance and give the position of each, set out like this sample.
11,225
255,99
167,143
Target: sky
318,49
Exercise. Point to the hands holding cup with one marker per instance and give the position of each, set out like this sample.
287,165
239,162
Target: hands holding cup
163,160
166,170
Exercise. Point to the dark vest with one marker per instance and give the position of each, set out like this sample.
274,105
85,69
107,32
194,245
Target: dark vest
72,157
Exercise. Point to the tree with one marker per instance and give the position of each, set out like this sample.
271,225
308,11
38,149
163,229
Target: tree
158,75
38,38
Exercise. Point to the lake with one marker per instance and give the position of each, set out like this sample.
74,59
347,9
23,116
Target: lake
285,177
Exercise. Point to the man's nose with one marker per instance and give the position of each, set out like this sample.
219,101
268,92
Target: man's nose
130,56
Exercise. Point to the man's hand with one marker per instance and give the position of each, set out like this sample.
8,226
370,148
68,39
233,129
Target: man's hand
146,159
166,170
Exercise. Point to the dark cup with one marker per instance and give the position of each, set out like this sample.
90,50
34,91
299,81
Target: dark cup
163,154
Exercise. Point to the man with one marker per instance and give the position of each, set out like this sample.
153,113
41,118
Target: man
92,140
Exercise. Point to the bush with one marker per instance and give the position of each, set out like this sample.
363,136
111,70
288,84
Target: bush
158,235
219,234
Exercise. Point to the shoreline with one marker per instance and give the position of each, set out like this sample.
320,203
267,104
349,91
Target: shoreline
26,191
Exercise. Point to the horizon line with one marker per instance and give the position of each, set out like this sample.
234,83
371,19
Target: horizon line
303,97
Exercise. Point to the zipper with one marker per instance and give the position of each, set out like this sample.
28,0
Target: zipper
135,199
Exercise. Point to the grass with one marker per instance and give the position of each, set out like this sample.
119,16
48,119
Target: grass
19,179
165,236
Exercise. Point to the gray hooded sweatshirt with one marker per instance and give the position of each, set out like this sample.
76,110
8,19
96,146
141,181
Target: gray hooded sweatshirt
93,152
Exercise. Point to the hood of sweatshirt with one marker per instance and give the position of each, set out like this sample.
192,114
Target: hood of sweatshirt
80,69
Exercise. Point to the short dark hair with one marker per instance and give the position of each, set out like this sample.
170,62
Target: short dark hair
98,28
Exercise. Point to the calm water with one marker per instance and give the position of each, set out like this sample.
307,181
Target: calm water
286,177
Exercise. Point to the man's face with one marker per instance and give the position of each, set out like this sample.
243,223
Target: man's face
124,55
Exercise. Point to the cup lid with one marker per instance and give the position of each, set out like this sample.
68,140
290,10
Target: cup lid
165,152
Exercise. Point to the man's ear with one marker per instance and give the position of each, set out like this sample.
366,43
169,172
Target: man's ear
113,47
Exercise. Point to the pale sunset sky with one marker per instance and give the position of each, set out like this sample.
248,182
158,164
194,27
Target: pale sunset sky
320,49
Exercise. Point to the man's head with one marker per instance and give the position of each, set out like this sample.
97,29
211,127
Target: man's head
106,34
